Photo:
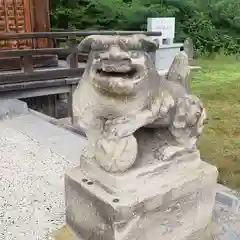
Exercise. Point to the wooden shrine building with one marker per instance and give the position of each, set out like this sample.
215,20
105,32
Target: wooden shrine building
24,16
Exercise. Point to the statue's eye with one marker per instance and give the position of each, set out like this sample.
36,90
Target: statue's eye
134,54
99,46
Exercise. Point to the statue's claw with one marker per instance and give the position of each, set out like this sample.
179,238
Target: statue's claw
118,128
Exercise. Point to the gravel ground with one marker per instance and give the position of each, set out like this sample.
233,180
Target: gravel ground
31,176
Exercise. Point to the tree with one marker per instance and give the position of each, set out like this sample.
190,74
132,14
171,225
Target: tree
213,24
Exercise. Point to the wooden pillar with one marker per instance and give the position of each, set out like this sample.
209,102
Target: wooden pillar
41,20
70,104
40,16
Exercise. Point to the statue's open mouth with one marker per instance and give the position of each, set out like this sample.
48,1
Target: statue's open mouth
131,73
118,77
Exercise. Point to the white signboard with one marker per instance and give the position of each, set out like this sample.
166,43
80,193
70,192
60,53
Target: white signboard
164,25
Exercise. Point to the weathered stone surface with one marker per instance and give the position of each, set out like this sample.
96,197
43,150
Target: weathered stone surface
188,48
121,92
159,209
180,70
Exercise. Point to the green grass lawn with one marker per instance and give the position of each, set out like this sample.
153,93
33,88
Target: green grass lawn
218,86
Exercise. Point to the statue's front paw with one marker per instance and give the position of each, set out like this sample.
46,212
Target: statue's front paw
117,129
115,121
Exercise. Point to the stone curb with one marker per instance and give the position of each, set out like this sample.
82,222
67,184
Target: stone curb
12,107
229,200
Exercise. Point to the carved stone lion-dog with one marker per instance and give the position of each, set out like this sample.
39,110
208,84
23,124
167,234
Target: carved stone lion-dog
121,92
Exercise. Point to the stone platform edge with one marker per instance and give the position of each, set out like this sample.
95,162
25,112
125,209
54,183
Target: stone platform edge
12,107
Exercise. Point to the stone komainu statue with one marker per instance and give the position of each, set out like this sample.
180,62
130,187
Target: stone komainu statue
130,114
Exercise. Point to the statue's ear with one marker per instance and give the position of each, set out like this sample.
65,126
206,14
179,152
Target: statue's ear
148,44
85,45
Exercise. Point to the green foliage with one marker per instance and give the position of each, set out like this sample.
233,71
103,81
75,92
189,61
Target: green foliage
214,25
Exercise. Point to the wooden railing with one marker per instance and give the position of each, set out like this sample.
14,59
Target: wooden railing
71,38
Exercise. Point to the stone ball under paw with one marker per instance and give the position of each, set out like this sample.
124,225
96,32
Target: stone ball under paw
116,155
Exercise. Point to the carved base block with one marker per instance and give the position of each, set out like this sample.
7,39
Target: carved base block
202,234
179,208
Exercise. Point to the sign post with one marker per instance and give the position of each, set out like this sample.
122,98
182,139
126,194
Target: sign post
166,26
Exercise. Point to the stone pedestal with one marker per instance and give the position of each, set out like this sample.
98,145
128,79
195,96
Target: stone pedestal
165,55
142,204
